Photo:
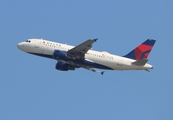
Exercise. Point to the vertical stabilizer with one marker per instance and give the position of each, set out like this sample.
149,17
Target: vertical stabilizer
142,51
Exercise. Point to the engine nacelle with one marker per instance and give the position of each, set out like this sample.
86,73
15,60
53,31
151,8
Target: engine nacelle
59,54
63,66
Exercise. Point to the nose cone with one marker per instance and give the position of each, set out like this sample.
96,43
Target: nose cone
19,45
22,46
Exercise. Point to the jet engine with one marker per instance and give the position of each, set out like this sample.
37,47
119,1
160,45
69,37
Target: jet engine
59,54
63,66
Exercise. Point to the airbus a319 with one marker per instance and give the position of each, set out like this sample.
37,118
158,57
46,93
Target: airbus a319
82,56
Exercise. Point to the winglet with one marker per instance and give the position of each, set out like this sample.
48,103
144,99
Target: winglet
102,72
95,40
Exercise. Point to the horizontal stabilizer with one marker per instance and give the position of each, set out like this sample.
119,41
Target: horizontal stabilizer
140,62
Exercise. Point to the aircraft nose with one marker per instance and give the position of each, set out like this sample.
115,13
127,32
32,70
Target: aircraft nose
20,45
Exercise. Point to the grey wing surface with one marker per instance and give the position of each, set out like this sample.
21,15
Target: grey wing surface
79,51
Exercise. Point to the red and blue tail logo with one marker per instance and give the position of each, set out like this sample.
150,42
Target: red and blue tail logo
142,51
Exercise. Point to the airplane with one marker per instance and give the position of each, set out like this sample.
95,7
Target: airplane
83,56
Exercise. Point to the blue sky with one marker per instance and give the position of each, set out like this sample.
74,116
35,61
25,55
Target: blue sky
31,88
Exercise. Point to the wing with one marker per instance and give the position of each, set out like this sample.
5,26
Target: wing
79,51
70,65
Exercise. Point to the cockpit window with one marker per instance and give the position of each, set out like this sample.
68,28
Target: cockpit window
28,41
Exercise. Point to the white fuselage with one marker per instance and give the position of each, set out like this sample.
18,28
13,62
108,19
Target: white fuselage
46,48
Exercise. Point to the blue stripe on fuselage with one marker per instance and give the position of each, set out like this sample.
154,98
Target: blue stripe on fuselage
82,63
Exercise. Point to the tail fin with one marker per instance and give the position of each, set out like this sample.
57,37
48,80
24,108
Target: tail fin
142,51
